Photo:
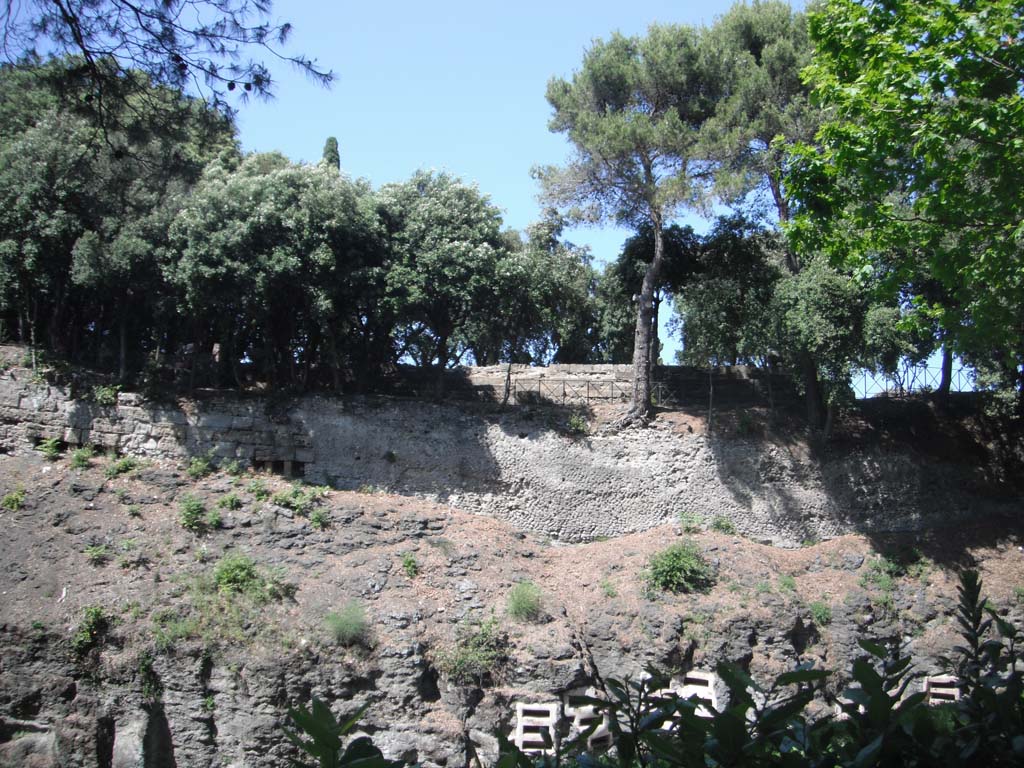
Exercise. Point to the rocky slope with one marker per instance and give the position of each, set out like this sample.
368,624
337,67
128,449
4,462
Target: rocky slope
183,671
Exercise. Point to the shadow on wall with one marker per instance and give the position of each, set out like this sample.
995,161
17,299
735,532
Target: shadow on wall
868,484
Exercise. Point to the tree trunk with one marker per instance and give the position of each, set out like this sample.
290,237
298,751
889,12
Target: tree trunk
641,403
812,392
122,349
946,379
442,362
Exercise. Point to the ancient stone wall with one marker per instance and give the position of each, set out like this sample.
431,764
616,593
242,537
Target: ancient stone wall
520,465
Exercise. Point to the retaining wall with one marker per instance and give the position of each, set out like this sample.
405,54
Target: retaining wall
515,466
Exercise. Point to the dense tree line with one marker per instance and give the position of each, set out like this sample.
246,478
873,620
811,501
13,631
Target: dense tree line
875,217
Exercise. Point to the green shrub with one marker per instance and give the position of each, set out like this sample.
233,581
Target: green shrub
230,501
120,467
524,601
301,499
237,573
723,525
81,457
787,583
821,613
409,565
149,683
479,650
233,468
690,522
14,500
319,519
680,568
213,520
348,626
191,514
105,395
258,488
50,448
577,424
608,588
134,510
97,554
94,625
200,466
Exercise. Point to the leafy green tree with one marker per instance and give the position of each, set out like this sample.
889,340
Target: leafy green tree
275,263
445,240
543,308
725,314
331,155
85,211
633,113
921,159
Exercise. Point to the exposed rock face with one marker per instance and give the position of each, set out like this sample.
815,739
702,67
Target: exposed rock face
514,466
186,673
186,676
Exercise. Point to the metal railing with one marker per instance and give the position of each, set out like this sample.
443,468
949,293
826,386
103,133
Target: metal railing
910,378
570,391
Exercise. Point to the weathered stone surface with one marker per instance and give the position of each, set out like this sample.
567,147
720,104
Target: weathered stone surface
514,467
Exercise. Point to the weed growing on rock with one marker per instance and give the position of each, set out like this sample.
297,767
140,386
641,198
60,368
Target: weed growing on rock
50,448
1018,594
120,467
233,468
787,584
191,514
348,626
14,500
690,522
608,588
577,424
134,510
237,573
319,519
821,613
200,466
81,458
231,501
258,488
524,602
723,525
300,499
680,568
149,682
93,627
105,395
479,651
97,554
169,628
409,565
213,520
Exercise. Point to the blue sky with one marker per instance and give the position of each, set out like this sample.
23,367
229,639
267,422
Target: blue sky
451,85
